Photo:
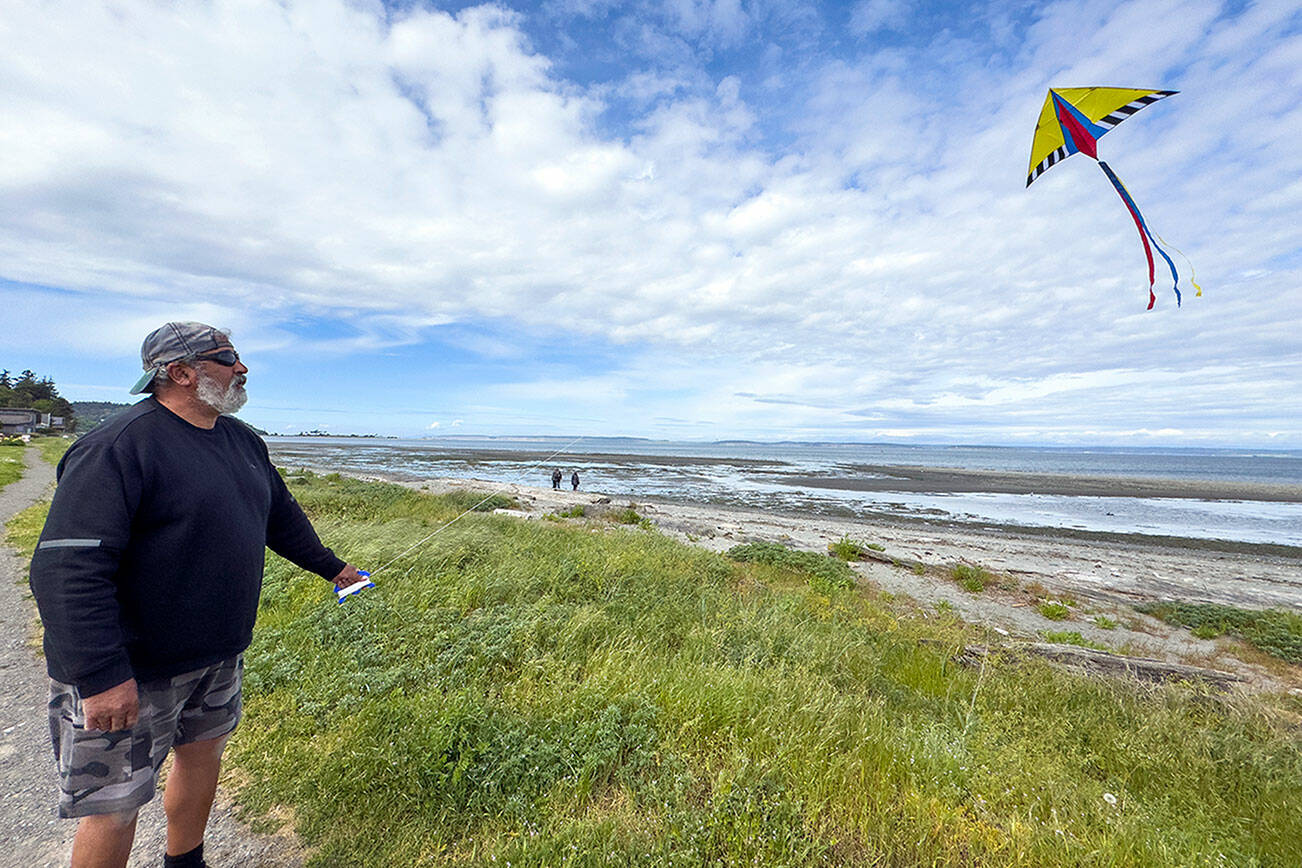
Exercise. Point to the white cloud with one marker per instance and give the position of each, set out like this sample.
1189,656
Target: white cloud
258,161
871,16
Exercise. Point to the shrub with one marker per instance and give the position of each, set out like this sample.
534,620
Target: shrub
825,574
971,578
1054,610
846,549
852,550
628,515
1274,631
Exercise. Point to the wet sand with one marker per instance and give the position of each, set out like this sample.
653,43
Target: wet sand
944,480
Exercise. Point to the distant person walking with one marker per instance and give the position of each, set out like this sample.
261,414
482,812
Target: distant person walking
574,480
556,479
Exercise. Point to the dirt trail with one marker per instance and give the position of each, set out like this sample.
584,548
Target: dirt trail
34,837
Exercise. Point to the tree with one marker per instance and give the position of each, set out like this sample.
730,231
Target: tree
36,393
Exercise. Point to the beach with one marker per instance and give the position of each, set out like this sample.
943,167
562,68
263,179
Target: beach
1100,574
1224,498
954,480
1102,530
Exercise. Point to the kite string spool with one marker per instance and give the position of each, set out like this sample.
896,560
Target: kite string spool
489,497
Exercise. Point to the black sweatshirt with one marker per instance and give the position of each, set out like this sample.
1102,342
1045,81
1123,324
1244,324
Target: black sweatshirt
150,563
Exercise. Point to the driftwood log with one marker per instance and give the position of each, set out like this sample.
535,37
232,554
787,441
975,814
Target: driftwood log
1107,663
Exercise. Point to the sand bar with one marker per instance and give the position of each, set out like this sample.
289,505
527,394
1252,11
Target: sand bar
945,480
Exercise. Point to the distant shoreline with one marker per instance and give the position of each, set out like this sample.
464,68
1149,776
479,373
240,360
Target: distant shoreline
923,480
945,480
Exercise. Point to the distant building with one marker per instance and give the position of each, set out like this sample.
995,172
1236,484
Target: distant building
14,420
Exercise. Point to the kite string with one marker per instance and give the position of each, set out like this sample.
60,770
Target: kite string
490,496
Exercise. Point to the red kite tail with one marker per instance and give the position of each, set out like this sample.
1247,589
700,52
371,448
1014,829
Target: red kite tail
1139,224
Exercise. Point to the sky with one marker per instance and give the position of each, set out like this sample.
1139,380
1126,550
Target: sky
681,219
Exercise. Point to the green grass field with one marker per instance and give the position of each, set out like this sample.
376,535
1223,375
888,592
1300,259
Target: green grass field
11,462
583,693
11,455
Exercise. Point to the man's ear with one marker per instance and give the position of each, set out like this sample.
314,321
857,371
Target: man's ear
181,374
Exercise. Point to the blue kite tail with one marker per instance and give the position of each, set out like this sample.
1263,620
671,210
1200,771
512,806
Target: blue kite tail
1145,235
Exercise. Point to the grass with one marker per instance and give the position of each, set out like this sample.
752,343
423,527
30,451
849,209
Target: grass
1274,631
1054,610
24,530
823,573
52,448
1071,637
629,515
545,694
11,461
971,578
848,549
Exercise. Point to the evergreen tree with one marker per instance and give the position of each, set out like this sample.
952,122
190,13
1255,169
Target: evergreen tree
36,393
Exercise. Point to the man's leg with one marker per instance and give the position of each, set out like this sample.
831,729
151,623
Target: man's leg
104,840
188,796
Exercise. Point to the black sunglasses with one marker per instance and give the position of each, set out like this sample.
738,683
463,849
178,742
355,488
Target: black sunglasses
227,358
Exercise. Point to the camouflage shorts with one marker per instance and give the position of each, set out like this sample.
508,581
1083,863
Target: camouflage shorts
111,772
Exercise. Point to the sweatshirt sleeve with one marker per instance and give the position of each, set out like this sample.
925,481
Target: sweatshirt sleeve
291,535
74,568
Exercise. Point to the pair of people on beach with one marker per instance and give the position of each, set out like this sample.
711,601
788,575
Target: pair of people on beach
557,476
147,576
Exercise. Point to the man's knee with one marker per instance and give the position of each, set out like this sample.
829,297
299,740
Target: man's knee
117,821
206,751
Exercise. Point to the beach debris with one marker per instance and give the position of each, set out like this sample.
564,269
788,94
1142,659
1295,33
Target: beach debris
1096,662
1072,121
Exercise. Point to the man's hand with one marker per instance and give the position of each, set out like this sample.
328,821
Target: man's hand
348,576
114,709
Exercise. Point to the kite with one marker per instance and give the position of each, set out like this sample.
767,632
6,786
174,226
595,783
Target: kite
1072,121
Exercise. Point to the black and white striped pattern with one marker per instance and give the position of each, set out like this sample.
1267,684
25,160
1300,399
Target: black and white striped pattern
1129,109
1054,157
1109,122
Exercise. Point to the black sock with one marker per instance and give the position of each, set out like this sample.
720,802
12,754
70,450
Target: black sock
193,859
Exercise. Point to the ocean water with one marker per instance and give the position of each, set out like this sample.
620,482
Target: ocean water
767,476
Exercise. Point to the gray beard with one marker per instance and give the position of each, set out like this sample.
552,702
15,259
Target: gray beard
228,400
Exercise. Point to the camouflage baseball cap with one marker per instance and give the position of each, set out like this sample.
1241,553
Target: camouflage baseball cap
173,341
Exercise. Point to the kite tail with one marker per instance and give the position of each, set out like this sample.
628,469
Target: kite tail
1144,236
1175,278
1193,275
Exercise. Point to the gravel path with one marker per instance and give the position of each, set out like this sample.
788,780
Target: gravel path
31,834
